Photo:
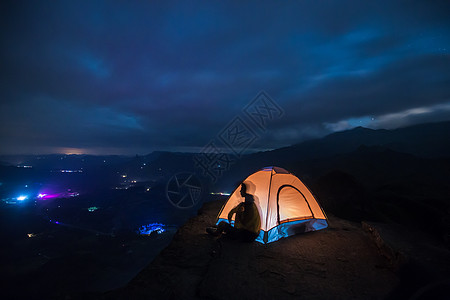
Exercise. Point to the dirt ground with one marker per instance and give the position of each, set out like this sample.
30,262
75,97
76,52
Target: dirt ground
340,262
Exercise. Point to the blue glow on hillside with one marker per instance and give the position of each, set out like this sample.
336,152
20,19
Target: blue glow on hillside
150,228
22,198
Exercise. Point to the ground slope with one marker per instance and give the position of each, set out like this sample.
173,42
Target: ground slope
341,262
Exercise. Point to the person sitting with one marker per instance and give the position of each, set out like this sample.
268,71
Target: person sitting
247,222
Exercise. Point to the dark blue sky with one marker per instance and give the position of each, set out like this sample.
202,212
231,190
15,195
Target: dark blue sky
136,76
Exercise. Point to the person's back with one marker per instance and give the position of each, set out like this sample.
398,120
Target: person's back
247,217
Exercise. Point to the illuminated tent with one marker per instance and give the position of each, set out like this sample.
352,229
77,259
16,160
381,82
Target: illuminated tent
286,206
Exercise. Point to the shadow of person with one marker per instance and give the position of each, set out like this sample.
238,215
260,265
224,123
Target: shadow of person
247,221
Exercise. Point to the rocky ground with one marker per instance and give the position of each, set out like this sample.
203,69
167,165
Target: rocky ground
346,261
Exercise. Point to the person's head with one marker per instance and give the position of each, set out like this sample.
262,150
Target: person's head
243,189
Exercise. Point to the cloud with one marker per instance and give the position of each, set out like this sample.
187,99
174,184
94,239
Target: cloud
58,123
439,112
436,113
117,76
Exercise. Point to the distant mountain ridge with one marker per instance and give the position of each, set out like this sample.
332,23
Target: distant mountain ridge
431,140
424,141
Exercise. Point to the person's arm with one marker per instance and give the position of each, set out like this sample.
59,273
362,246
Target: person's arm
232,212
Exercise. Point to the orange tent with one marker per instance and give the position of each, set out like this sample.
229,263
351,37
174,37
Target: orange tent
286,206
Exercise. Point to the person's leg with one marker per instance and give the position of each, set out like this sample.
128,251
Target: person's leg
224,226
220,228
247,236
231,231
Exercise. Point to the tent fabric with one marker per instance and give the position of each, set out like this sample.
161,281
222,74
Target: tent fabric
286,206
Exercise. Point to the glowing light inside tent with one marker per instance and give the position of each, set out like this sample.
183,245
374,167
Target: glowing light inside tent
150,228
22,198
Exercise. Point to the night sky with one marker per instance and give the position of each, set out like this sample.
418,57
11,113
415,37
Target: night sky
131,77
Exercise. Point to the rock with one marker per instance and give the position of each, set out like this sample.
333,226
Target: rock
421,262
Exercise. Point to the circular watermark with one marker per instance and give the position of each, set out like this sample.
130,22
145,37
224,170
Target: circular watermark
184,190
